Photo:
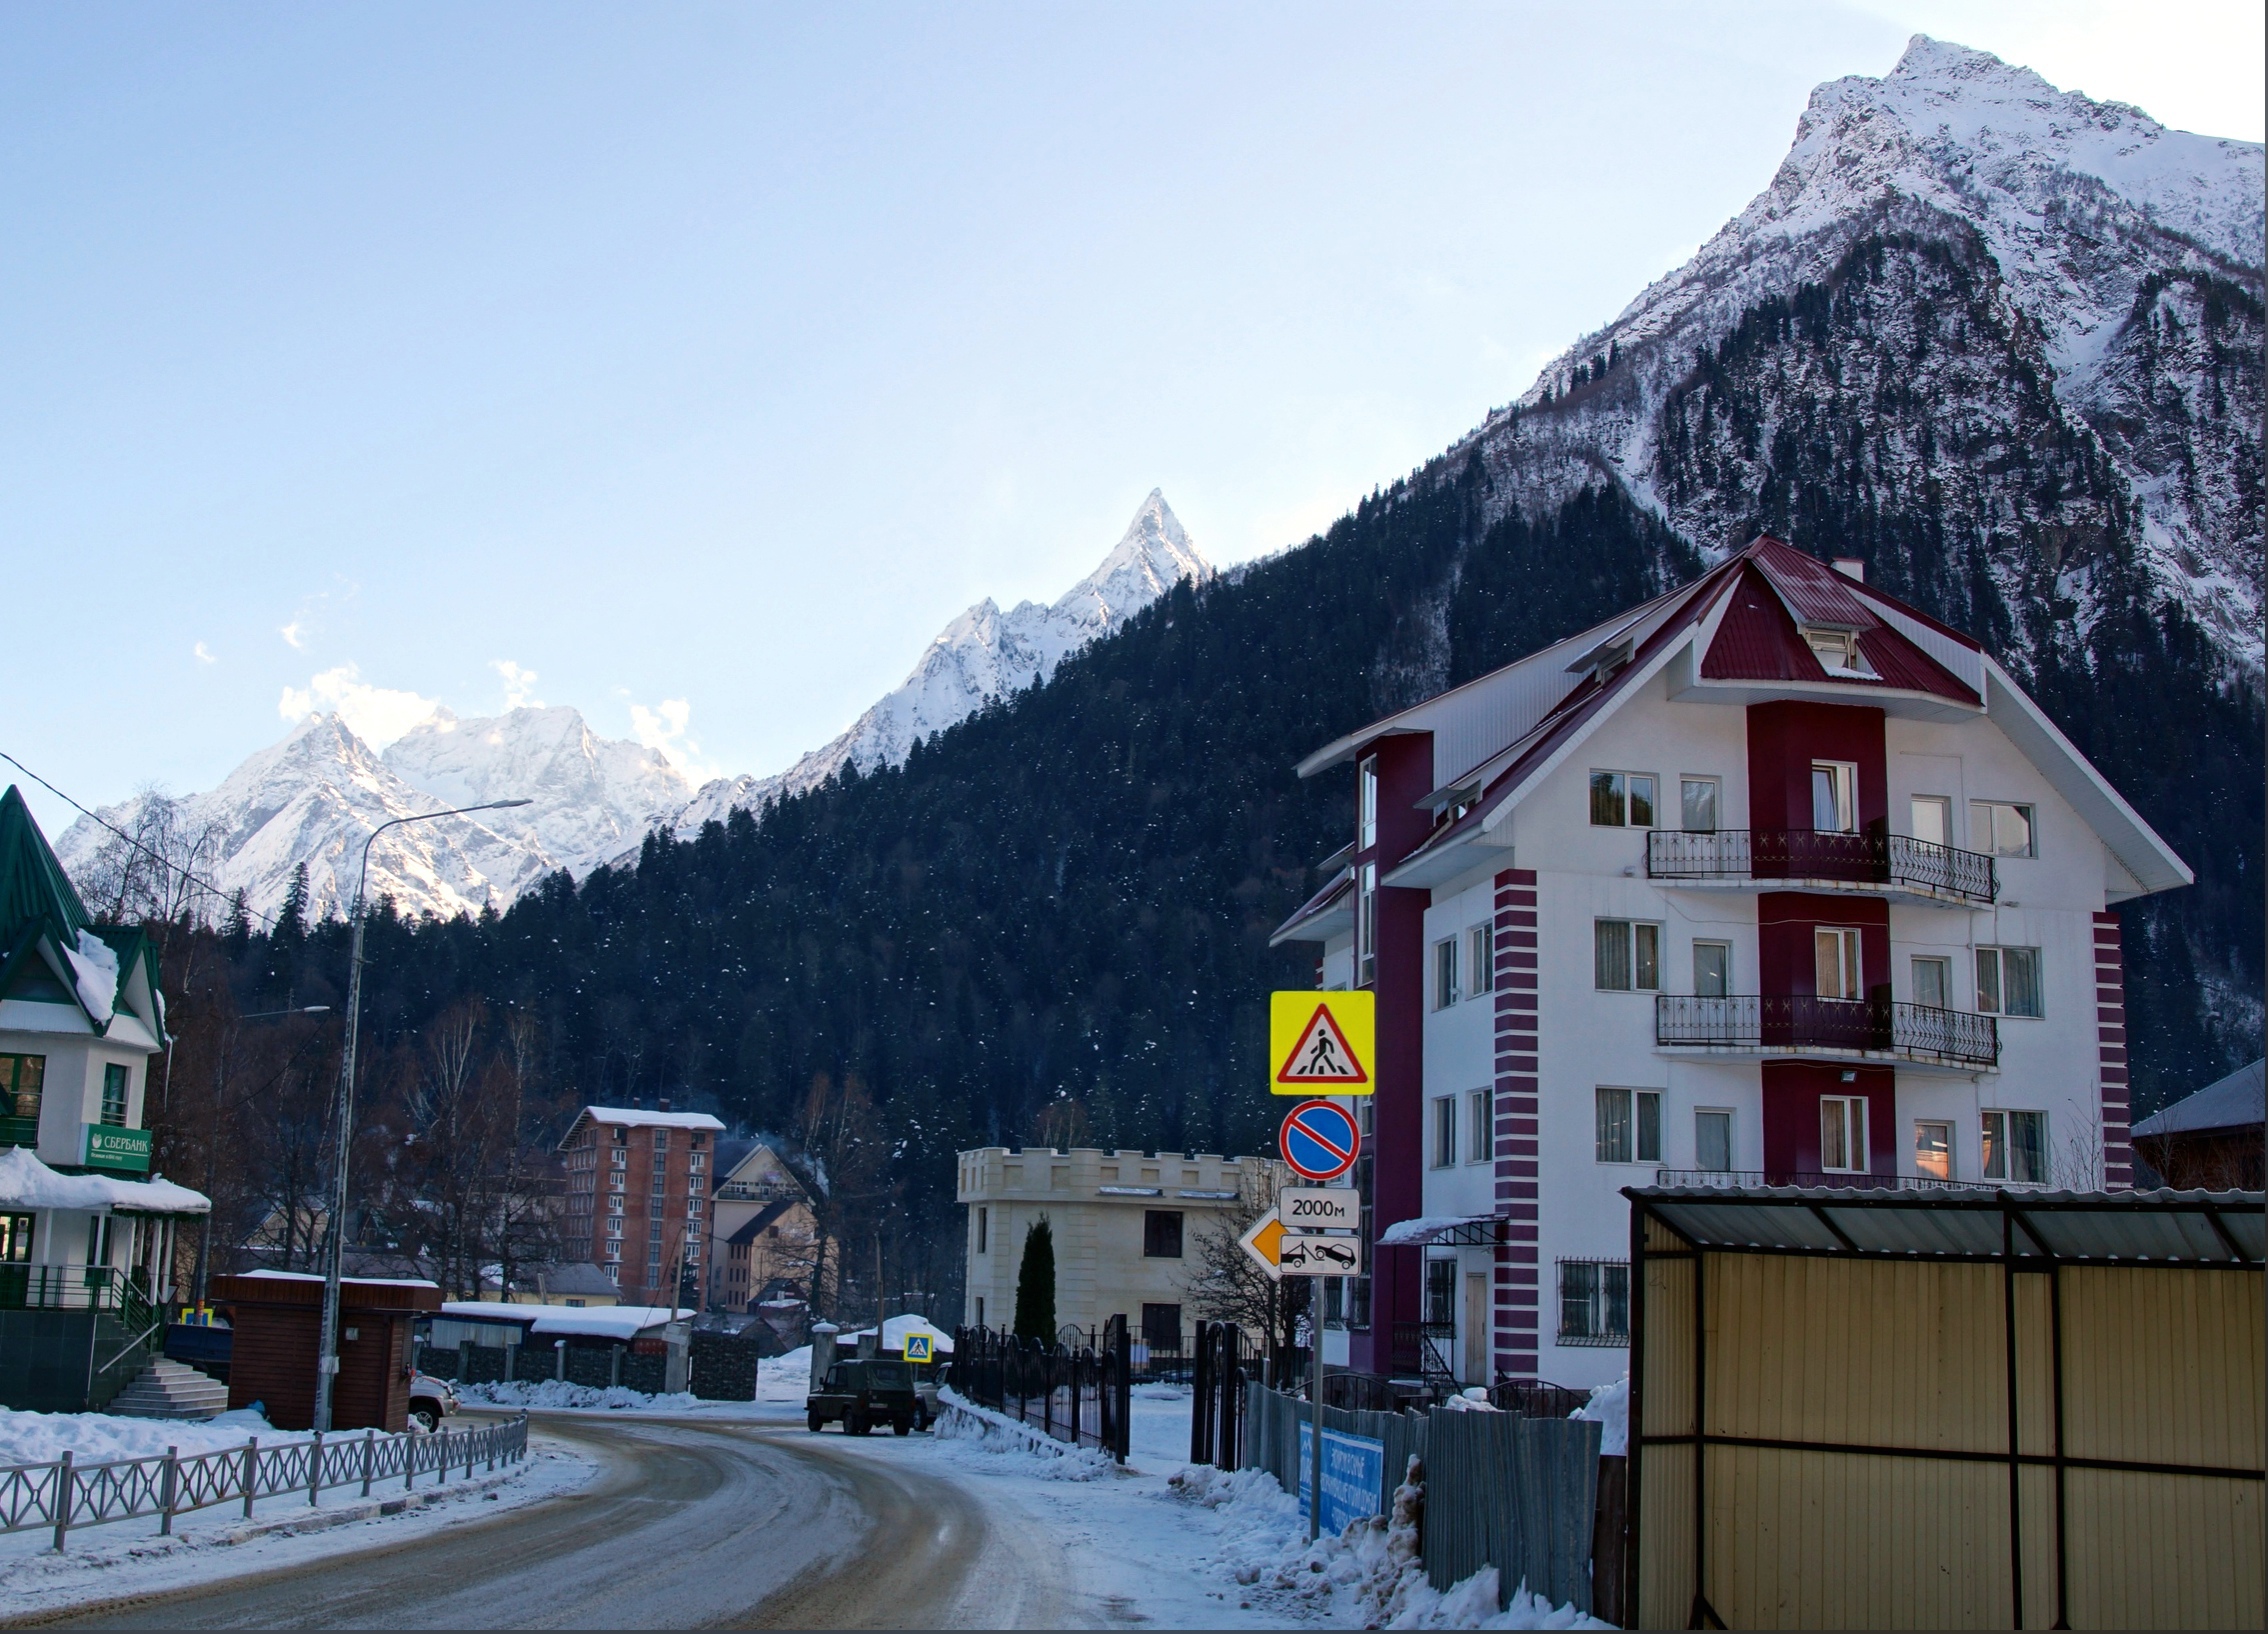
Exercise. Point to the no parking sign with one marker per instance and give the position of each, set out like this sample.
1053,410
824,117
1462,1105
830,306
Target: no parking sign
1319,1140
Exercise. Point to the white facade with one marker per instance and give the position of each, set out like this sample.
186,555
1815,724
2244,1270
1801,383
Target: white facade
1546,1089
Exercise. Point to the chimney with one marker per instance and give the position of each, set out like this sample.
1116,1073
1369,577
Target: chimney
1850,567
662,1105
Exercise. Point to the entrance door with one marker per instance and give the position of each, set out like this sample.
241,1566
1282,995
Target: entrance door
1477,1333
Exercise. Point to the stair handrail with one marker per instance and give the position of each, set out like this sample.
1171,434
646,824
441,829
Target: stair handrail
134,1343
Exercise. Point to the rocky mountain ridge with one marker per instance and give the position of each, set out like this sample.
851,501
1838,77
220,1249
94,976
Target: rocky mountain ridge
310,801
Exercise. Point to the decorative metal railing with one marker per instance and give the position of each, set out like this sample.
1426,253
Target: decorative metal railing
1915,1032
1076,1394
76,1288
65,1495
1740,1179
1808,854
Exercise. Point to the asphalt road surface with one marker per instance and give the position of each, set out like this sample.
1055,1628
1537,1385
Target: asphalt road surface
687,1525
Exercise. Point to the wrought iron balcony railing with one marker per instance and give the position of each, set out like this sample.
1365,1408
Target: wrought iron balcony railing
1916,1032
1897,861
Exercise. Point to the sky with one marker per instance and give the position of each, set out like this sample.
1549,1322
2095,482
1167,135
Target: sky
694,365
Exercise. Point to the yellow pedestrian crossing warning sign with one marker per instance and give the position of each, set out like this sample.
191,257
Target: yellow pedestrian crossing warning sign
1321,1043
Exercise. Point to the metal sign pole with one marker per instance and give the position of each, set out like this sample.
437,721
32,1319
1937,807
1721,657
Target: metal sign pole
1315,1449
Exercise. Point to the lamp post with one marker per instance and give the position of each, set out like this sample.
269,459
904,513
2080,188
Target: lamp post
327,1367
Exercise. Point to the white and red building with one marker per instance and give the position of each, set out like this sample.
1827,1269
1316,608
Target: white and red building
1771,880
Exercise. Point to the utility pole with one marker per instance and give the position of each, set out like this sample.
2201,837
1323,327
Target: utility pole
327,1361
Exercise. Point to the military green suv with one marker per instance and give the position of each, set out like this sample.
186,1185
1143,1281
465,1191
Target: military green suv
864,1395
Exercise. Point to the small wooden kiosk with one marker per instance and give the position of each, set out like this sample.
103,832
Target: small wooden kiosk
278,1318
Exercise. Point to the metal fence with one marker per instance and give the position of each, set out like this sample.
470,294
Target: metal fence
1216,1406
1072,1393
77,1288
65,1494
1502,1489
1738,1179
1516,1493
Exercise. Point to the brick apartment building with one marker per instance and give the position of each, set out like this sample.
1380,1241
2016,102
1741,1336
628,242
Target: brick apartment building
638,1186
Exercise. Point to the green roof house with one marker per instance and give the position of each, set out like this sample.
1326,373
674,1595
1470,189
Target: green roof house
86,1240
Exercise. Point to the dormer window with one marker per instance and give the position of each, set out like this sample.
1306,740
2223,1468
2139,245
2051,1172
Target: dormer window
1838,653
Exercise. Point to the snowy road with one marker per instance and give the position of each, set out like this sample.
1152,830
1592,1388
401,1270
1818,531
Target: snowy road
688,1524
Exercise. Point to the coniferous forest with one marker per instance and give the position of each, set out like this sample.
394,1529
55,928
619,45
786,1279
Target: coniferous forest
1050,925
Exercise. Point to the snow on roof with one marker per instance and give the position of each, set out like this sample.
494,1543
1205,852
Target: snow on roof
895,1329
27,1183
1426,1228
561,1321
360,1282
651,1120
2236,1102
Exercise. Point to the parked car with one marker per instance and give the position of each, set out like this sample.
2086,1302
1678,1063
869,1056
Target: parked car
864,1394
430,1401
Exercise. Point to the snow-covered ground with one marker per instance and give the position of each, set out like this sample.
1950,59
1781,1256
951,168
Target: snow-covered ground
41,1438
1187,1546
124,1558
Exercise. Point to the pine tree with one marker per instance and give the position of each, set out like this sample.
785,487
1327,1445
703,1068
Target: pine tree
1035,1285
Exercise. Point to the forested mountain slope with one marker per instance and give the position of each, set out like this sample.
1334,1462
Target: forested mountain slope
2023,383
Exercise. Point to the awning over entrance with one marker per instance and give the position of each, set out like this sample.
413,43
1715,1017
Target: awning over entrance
27,1184
1445,1231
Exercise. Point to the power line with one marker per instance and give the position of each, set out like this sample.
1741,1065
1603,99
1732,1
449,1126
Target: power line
163,862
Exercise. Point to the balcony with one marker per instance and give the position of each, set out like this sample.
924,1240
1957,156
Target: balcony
1894,865
1840,1029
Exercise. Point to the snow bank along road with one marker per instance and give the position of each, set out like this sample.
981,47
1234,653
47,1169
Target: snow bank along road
688,1524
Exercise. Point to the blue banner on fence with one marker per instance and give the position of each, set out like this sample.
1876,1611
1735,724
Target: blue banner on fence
1354,1467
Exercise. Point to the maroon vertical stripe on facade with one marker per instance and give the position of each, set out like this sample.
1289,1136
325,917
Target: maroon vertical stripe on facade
2110,1028
1516,1282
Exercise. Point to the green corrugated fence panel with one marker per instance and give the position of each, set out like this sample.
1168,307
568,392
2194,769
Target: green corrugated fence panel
1514,1493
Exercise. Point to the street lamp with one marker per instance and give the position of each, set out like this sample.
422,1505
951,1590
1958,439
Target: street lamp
327,1368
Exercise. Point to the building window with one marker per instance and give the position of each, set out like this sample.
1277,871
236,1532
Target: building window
1622,799
1834,797
1594,1302
661,1141
1366,803
621,1157
1712,1140
983,1232
1366,924
2015,1146
2008,981
1626,955
1836,962
1933,983
1838,652
1483,977
1161,1234
1483,1121
21,1078
693,1208
1842,1134
1445,973
2002,830
1630,1126
1440,1293
653,1231
114,1095
1933,1150
1444,1131
1161,1328
1697,803
16,1238
1933,819
1712,969
698,1161
980,1310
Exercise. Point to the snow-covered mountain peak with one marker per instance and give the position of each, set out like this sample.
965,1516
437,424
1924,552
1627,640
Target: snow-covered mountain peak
981,655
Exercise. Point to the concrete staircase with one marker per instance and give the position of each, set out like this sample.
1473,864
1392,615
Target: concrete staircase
169,1389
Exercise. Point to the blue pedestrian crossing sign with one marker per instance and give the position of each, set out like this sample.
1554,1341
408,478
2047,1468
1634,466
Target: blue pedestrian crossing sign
920,1347
1319,1140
